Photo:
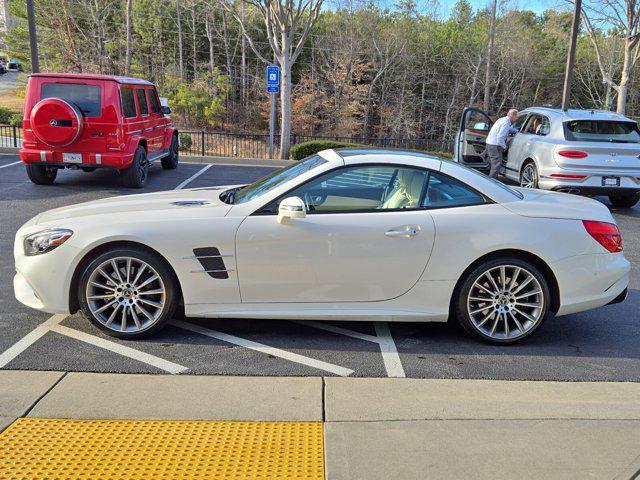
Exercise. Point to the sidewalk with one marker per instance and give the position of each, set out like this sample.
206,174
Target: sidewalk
307,427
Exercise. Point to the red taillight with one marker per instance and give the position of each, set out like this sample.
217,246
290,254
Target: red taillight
573,154
606,234
566,175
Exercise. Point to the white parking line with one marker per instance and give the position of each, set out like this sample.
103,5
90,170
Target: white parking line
259,347
29,339
389,351
193,177
383,338
9,164
129,352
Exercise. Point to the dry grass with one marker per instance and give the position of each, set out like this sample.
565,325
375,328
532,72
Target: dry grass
13,99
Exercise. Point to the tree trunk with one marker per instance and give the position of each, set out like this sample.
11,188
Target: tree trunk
623,87
212,58
487,77
285,103
180,57
127,62
227,52
193,41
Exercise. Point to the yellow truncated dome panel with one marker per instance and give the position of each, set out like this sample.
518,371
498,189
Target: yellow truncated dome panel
38,449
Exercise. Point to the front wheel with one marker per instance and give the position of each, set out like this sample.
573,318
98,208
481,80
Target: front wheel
624,201
503,301
41,174
128,293
170,162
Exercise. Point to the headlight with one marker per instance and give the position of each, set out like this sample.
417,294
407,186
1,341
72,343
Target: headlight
45,241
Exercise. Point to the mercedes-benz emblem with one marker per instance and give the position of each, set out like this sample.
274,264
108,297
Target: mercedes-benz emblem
53,123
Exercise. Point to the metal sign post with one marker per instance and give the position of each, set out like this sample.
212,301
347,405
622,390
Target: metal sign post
273,82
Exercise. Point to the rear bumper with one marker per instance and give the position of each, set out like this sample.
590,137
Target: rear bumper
591,281
89,160
592,184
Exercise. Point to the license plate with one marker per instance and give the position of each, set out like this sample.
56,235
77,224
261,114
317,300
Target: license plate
72,157
610,181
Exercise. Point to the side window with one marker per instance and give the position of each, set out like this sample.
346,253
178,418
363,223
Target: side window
538,125
361,189
521,118
444,191
153,100
142,101
476,120
128,103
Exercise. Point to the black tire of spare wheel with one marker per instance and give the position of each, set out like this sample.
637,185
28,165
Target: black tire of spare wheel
624,201
41,174
170,162
462,292
165,273
135,175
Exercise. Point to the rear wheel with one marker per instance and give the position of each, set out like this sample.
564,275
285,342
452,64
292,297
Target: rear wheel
128,292
529,176
170,162
503,301
41,174
624,201
135,175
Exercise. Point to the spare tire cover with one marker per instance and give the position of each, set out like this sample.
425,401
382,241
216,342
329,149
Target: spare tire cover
56,122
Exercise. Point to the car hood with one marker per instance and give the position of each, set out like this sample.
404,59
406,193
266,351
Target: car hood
171,202
546,204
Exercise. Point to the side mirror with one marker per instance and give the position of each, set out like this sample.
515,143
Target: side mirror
291,207
166,110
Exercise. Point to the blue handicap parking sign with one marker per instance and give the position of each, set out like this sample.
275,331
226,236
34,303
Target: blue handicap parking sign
273,75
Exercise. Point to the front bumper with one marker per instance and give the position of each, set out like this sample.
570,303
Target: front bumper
89,160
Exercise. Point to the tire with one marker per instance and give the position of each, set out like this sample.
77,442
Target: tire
41,174
486,319
170,162
149,303
529,176
135,175
624,201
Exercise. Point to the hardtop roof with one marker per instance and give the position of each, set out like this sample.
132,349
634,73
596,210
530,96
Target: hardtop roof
95,76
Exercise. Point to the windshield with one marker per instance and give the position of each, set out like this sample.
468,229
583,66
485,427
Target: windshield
274,180
602,131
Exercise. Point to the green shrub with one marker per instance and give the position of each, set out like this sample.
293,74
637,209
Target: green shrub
304,149
185,142
10,117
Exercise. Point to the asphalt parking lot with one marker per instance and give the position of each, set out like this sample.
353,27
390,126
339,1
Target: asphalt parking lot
599,345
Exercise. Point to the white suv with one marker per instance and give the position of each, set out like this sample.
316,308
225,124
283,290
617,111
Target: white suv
584,152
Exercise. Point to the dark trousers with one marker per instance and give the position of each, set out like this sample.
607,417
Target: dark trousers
495,154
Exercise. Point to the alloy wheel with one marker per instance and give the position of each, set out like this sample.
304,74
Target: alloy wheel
143,168
529,177
505,302
126,294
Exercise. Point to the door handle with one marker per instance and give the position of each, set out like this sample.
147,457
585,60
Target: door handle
405,231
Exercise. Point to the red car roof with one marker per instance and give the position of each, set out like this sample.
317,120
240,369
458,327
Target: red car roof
94,76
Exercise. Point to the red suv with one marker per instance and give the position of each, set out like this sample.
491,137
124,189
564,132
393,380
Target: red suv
95,121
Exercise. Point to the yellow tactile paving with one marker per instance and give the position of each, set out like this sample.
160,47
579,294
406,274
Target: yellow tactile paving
39,448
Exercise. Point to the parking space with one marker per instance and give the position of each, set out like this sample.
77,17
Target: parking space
598,345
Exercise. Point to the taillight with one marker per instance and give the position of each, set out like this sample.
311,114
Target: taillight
573,154
567,175
606,234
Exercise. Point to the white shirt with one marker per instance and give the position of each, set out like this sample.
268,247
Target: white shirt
499,131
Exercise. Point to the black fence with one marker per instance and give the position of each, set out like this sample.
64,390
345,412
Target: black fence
250,145
255,145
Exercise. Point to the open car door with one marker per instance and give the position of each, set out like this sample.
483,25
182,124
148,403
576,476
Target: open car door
470,145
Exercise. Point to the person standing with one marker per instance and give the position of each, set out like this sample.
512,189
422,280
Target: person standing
497,140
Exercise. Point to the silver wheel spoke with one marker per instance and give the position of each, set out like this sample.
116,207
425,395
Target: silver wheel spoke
505,302
118,303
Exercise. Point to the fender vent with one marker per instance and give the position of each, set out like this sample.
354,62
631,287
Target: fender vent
211,261
189,203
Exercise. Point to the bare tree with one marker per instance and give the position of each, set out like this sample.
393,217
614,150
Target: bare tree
127,62
487,77
288,23
180,56
624,17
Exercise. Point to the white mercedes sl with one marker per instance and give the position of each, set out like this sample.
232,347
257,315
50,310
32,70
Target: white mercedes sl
342,235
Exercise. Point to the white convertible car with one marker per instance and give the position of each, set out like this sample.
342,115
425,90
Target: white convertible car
342,235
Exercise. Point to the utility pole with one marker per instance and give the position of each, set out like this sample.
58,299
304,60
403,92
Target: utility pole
608,99
33,41
487,76
568,74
